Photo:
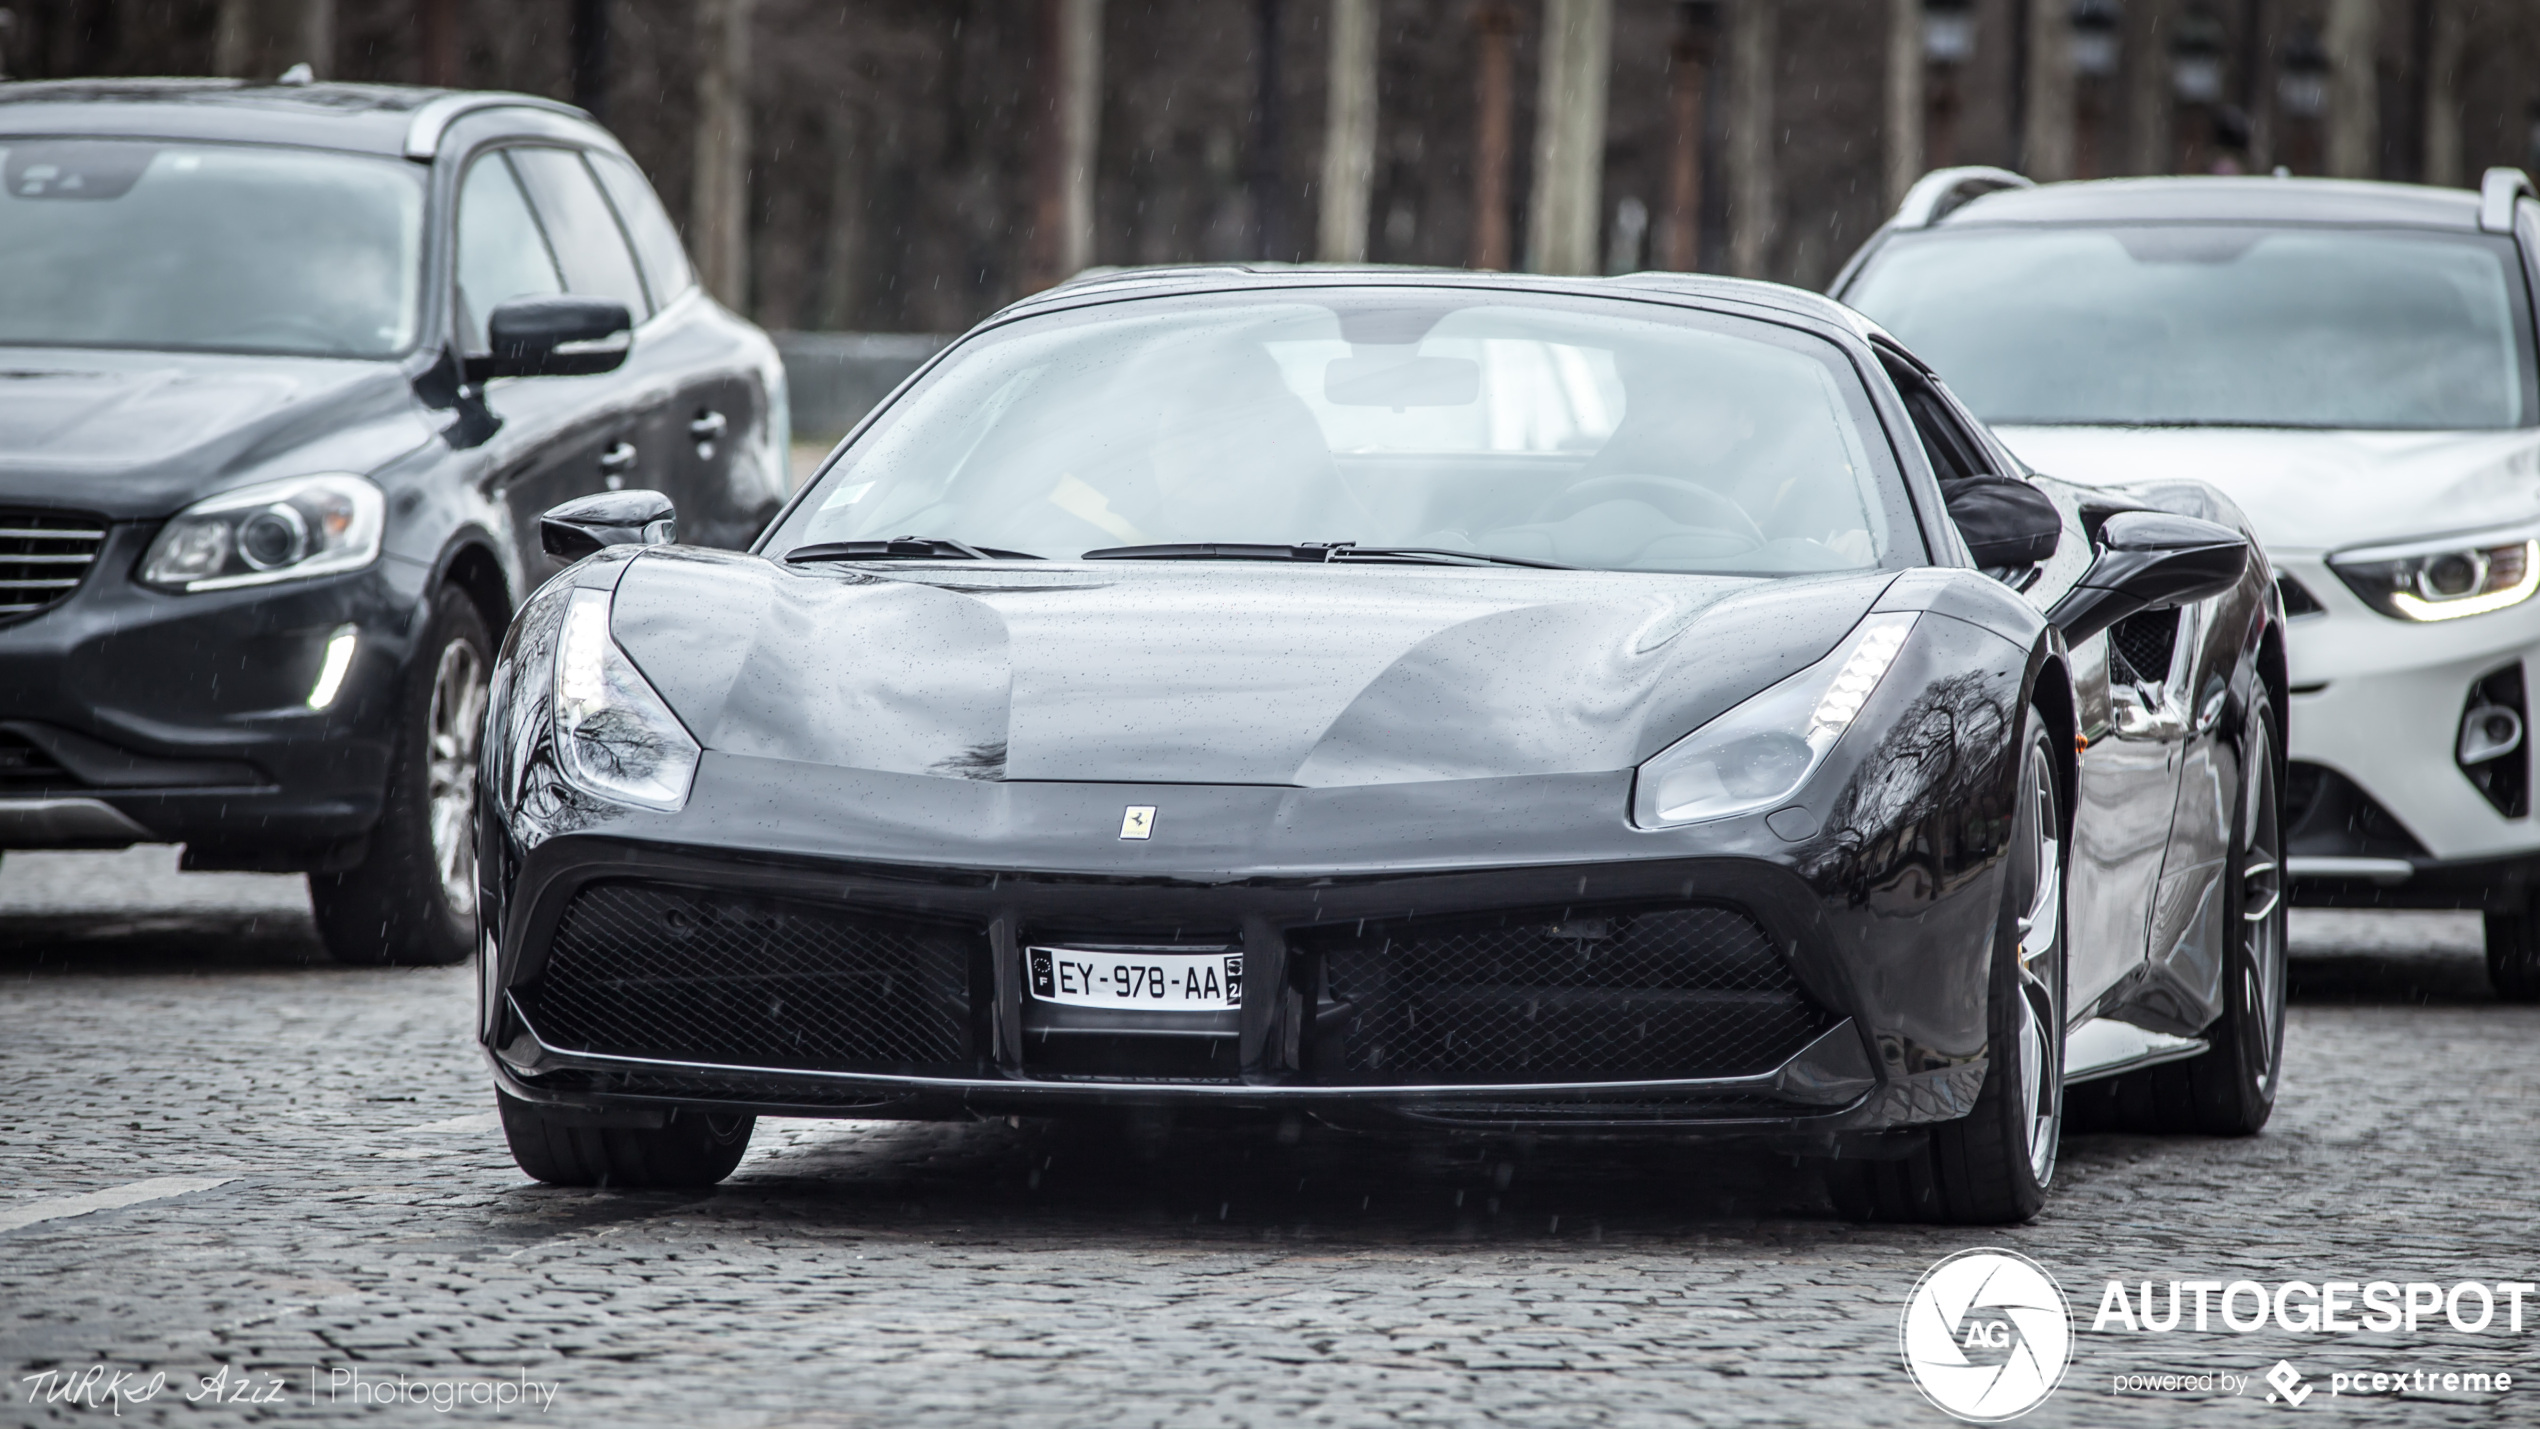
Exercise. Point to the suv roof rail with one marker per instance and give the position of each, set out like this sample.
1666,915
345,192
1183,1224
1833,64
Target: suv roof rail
1937,194
2496,194
434,118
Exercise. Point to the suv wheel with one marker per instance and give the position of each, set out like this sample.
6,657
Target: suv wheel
412,900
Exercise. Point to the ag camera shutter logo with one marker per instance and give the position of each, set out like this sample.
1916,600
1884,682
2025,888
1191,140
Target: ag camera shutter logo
1986,1335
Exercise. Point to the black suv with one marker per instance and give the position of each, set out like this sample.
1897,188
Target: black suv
287,375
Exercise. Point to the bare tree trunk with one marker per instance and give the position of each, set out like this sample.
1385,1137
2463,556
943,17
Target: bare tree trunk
842,257
1752,198
1569,177
2046,136
2149,142
259,39
1680,242
591,56
2351,36
1349,135
1269,136
1905,102
2443,97
1063,213
1494,131
720,189
437,41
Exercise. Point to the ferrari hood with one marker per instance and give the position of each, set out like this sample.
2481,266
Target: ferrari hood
2312,490
1209,672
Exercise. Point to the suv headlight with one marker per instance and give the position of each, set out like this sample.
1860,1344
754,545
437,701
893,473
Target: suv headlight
2446,579
1761,751
271,531
615,737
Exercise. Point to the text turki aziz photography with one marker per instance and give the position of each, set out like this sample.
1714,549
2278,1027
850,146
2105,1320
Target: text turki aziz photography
789,714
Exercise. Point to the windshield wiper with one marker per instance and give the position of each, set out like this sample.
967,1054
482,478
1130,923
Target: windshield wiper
1318,552
905,548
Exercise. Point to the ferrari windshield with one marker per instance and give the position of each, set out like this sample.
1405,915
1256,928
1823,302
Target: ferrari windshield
1580,432
2204,325
214,247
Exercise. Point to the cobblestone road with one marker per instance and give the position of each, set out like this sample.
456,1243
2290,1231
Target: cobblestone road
289,1170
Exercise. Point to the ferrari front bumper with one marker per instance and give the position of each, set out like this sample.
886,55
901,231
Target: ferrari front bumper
762,950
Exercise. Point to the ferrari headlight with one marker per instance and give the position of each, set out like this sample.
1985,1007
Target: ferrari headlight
1760,752
615,737
2444,580
272,531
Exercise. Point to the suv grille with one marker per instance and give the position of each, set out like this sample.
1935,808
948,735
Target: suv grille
1608,994
43,558
640,970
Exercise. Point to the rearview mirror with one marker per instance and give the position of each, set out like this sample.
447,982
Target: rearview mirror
610,518
2149,559
1402,381
555,337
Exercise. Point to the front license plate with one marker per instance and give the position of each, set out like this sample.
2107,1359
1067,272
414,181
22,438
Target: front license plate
1137,977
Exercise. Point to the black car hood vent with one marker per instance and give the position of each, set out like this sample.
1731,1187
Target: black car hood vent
1214,673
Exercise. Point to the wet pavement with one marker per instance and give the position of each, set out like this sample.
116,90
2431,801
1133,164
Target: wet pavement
277,1183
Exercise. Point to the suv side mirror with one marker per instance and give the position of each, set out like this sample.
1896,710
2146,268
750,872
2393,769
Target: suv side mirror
555,337
2149,559
610,518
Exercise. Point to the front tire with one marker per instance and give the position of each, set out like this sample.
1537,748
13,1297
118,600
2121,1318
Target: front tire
693,1148
1992,1166
411,902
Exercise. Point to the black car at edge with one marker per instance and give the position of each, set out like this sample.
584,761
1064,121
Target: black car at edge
287,373
1501,704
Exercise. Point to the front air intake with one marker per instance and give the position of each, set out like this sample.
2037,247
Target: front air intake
691,975
1570,995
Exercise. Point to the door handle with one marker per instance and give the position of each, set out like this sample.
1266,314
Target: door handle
616,462
708,427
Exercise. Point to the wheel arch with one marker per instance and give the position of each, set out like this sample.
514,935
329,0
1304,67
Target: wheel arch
471,566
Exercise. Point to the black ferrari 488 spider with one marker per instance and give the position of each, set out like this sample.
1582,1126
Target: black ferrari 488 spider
1508,704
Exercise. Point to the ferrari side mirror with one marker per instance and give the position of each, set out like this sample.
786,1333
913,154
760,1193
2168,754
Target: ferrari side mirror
2149,559
610,518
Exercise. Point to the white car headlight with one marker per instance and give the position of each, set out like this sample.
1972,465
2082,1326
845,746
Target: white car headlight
615,737
1761,751
273,531
2445,579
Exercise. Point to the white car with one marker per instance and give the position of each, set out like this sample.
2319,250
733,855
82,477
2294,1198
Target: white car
2352,363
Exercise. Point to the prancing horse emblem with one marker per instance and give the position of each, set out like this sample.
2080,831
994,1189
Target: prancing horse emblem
1137,821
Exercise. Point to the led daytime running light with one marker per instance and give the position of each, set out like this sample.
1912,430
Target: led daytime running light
1852,685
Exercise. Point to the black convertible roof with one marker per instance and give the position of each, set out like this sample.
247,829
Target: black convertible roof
391,119
2222,200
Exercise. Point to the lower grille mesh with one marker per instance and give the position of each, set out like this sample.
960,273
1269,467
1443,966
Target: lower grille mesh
640,970
1605,995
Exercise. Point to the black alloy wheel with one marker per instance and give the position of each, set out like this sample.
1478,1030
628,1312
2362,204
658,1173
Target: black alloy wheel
1993,1166
411,902
2229,1089
690,1148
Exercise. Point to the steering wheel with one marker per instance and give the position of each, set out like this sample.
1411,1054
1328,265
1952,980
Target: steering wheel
1687,503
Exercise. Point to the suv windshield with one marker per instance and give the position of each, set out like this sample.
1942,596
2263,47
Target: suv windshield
1584,432
2199,324
218,247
